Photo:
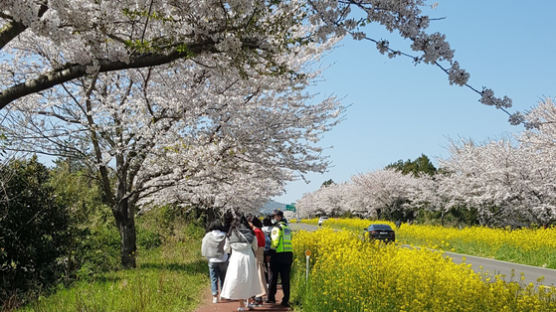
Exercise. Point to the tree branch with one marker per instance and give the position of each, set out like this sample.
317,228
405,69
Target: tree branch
14,28
11,31
63,118
73,71
108,196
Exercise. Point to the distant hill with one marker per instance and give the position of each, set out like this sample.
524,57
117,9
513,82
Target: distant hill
270,205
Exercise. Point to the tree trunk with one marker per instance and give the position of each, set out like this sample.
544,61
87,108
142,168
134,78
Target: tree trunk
125,220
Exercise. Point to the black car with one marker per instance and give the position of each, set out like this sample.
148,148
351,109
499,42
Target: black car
381,232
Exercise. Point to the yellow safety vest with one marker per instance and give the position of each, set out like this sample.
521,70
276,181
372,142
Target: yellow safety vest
281,237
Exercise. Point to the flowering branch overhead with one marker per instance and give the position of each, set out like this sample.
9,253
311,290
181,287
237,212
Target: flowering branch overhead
405,17
102,36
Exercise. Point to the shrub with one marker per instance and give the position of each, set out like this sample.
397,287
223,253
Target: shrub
34,229
98,251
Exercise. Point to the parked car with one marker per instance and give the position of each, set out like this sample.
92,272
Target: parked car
322,219
381,232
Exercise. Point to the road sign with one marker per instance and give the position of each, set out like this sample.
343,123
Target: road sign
290,207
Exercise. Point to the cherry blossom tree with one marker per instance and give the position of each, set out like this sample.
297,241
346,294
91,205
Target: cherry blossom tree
194,132
328,200
483,177
508,183
100,36
540,142
90,36
379,194
541,135
387,193
505,182
306,205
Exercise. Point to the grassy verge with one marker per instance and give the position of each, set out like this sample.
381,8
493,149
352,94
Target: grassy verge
527,246
167,278
543,256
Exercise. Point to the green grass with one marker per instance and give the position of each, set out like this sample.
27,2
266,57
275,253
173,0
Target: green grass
542,257
167,278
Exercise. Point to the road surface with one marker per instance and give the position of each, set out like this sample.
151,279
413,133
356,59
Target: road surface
493,267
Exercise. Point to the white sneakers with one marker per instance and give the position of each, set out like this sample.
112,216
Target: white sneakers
214,299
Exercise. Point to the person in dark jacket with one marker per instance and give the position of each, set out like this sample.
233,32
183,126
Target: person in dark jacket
267,228
281,260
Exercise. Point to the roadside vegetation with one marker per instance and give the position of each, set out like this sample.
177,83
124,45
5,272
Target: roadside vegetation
533,246
169,277
60,248
350,275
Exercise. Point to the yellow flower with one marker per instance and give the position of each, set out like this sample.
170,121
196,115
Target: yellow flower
362,276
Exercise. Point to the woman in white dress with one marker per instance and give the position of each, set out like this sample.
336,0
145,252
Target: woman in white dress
242,279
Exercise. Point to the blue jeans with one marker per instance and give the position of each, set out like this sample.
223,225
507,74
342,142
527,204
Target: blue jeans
217,271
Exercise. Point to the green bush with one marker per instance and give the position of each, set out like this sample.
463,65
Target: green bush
34,230
147,239
98,251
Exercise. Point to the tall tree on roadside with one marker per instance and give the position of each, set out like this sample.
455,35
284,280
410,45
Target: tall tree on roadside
540,140
387,193
191,129
497,183
510,183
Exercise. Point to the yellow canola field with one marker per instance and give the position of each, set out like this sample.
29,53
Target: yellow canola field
530,246
348,274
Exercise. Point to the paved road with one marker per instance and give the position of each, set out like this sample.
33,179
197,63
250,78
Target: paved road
303,226
531,273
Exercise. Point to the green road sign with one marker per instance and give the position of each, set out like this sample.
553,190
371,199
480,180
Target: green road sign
290,207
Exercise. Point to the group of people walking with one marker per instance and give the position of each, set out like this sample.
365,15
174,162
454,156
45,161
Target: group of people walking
246,256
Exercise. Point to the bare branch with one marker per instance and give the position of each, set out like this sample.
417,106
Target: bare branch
63,118
147,21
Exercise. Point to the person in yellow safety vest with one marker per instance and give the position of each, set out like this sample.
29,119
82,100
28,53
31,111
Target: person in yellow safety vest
281,258
281,237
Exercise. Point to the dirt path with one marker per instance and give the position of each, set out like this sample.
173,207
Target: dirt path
230,306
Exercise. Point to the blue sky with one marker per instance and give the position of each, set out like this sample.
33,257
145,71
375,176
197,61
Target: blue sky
398,110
